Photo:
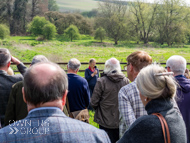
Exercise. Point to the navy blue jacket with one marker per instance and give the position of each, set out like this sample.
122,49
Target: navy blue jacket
91,80
79,93
183,101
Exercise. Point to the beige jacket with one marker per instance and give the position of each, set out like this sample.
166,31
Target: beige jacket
105,99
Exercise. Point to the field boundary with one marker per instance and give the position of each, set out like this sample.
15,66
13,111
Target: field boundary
86,63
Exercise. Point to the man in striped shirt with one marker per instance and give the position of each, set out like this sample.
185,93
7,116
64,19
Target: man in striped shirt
130,104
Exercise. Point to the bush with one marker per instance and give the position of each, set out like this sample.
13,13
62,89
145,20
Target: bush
72,32
49,31
4,31
86,37
100,34
36,26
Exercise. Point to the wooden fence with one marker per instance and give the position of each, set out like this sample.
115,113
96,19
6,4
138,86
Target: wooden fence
86,63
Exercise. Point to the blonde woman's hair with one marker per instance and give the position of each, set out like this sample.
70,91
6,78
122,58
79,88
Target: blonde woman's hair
154,82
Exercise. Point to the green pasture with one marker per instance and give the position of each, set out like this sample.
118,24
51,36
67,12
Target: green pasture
80,5
25,48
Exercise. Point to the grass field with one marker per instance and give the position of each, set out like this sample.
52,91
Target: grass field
25,48
74,5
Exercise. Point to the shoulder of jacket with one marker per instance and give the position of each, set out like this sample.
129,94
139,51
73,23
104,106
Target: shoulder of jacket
146,120
20,83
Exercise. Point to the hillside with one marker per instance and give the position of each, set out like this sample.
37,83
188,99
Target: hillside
76,5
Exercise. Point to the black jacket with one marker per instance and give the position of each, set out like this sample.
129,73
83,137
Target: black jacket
6,82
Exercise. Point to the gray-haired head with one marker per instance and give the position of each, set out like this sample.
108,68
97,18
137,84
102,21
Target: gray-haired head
74,64
154,82
112,65
44,82
177,64
5,57
38,59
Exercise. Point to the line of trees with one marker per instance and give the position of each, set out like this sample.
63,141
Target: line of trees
164,21
16,14
161,21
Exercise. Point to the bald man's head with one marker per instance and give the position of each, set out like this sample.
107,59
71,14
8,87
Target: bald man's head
44,82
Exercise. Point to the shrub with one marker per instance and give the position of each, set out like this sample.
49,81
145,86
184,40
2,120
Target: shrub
49,31
100,34
86,37
4,31
36,26
72,32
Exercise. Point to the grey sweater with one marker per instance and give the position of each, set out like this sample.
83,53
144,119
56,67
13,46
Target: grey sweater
147,129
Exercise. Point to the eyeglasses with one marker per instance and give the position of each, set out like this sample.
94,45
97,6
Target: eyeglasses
125,67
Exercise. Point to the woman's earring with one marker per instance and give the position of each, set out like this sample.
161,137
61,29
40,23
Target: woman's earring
145,100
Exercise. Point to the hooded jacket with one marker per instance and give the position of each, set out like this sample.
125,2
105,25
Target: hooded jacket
105,99
183,101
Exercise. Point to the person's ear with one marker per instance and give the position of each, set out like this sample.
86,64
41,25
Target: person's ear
168,69
64,97
77,70
131,67
23,94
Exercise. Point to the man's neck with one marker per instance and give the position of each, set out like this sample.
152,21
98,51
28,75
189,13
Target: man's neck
134,76
57,103
4,69
71,71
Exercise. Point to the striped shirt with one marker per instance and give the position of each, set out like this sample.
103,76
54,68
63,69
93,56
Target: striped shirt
130,106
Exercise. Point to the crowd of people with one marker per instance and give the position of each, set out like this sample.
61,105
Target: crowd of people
44,104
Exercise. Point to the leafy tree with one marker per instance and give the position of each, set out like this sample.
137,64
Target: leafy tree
36,26
100,34
36,8
92,13
172,22
49,31
112,19
63,21
142,19
4,31
72,32
18,23
52,5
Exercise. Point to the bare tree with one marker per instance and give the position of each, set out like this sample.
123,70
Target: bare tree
143,19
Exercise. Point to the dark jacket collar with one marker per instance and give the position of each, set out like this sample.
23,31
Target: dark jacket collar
3,72
158,105
46,113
